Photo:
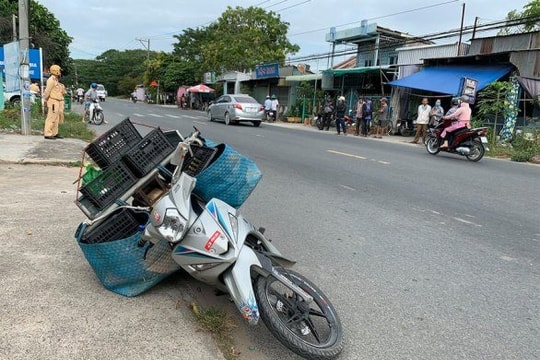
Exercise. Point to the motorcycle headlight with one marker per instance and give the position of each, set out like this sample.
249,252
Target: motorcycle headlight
173,225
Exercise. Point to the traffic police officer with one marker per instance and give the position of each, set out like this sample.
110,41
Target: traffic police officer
54,98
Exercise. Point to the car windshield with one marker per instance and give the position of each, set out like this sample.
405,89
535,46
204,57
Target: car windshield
245,99
100,88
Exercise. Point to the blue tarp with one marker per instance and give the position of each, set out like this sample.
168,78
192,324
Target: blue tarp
447,79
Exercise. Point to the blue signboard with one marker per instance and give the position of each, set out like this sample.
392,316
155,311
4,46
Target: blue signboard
267,71
35,66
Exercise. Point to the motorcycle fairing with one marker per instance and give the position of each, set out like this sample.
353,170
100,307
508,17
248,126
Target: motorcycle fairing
239,285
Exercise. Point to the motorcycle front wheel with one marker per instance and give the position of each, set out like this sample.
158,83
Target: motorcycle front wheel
98,118
477,151
432,145
311,330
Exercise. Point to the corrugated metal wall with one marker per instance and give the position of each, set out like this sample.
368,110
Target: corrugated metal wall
528,63
505,43
416,55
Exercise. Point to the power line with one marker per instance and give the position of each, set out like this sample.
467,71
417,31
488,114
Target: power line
377,17
295,5
429,37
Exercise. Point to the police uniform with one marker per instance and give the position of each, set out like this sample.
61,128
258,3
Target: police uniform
62,106
55,99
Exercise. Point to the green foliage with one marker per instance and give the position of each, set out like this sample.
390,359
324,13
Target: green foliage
526,145
295,110
45,33
114,69
531,11
492,104
73,127
240,39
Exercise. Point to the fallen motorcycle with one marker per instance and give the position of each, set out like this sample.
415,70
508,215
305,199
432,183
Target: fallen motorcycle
209,239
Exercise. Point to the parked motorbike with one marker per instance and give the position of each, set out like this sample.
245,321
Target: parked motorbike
94,114
270,116
216,245
465,142
319,121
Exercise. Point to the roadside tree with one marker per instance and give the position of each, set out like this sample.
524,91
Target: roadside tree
238,40
45,32
523,21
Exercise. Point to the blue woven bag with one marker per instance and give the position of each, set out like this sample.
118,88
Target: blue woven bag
231,177
124,267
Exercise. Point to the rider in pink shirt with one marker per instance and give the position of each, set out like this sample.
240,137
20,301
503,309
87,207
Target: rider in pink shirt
463,117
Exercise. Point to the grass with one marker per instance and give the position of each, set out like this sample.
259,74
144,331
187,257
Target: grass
73,127
220,324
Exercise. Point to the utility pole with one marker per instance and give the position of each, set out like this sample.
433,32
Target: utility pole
461,30
14,19
24,70
146,44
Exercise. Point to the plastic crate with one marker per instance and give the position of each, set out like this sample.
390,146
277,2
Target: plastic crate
120,224
148,153
202,157
110,146
112,183
174,137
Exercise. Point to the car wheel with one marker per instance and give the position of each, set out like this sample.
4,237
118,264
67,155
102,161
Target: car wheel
256,123
227,119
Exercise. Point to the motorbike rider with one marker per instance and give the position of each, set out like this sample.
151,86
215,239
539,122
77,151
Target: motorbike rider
341,109
274,107
267,107
462,117
89,97
455,106
80,94
328,111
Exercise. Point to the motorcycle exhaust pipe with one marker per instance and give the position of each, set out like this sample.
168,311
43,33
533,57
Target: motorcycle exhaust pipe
463,150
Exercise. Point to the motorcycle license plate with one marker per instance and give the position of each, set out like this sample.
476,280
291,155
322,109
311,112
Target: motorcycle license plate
484,139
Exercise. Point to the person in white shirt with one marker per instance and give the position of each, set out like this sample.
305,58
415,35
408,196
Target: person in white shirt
422,121
275,105
267,107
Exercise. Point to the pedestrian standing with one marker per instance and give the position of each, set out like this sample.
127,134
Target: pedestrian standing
367,113
328,111
436,113
359,116
382,118
53,99
422,121
341,110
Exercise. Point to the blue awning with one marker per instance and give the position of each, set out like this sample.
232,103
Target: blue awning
447,79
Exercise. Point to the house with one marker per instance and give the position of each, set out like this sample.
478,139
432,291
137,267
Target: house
426,70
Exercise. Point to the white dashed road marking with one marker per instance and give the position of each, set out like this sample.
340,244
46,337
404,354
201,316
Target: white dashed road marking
346,154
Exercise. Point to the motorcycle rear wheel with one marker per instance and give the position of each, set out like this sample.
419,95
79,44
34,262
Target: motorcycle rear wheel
313,330
432,145
477,151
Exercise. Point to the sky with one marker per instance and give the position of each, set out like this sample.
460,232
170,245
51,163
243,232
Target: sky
99,25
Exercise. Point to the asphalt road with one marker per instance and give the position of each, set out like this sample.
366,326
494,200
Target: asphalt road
424,257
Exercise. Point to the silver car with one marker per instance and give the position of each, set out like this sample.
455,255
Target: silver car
236,108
